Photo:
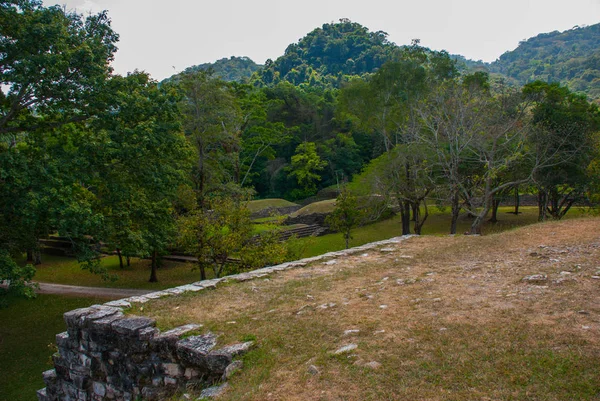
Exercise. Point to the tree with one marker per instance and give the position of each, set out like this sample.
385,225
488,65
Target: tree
142,161
563,132
477,138
403,176
52,65
222,231
212,120
346,215
306,164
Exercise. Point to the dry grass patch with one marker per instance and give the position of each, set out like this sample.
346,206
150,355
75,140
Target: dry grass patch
444,318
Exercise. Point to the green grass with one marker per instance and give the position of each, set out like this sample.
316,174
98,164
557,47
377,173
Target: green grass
63,270
261,204
28,328
438,223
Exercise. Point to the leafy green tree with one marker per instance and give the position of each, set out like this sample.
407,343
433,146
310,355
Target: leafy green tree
53,65
212,120
306,164
223,231
564,129
346,215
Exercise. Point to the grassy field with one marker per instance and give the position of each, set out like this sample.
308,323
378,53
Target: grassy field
436,318
64,270
438,223
28,328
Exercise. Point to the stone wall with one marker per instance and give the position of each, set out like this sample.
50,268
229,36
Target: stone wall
105,355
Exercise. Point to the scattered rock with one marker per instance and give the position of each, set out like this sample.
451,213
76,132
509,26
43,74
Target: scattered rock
313,370
373,365
535,279
378,332
583,312
231,369
387,250
213,392
345,348
351,332
383,306
331,262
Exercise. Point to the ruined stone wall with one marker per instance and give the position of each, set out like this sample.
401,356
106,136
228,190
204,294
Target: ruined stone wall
105,355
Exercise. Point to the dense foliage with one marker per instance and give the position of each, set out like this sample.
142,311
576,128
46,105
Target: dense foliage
571,57
233,69
327,54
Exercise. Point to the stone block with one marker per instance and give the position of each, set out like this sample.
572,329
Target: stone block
42,395
217,362
238,349
172,369
231,369
132,325
74,318
193,350
119,303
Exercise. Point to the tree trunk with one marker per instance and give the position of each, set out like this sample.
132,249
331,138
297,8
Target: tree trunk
347,238
455,212
202,270
37,257
419,221
517,200
128,258
405,215
495,206
120,258
153,278
29,256
542,204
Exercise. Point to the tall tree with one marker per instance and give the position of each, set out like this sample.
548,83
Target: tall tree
212,120
564,129
53,65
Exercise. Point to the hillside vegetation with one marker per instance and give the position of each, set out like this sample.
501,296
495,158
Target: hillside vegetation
233,69
571,57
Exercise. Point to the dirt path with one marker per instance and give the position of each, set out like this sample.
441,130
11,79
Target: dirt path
115,293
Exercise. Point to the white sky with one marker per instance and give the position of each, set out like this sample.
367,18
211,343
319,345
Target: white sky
164,37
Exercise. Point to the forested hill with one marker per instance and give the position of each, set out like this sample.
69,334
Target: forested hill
571,57
234,69
327,54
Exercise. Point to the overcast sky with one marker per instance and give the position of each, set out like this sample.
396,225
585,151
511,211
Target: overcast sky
163,37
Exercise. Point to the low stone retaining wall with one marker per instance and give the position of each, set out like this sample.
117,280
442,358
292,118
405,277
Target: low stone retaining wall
105,355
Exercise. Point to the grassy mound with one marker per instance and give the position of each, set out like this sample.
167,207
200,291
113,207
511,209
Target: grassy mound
325,206
262,204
